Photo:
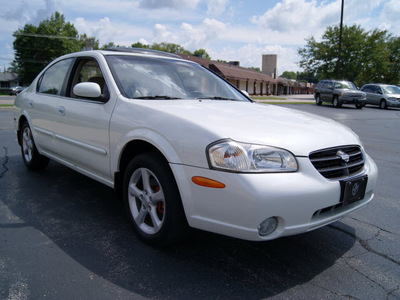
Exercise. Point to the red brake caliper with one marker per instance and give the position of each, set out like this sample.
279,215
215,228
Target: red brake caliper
160,206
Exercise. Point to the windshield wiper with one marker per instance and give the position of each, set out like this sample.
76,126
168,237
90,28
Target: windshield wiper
219,98
157,97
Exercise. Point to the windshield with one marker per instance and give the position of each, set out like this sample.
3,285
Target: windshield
345,85
391,89
160,78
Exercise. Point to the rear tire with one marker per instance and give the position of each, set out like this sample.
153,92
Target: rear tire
30,155
153,202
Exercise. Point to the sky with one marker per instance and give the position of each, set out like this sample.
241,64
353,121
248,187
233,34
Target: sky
231,30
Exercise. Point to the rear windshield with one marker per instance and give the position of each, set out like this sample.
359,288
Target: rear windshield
141,77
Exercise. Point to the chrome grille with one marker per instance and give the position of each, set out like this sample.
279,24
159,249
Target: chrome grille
339,162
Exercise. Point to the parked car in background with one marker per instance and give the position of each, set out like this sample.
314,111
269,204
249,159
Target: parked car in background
185,148
16,90
339,92
383,95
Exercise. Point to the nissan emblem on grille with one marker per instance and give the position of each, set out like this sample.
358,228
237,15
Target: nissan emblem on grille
343,156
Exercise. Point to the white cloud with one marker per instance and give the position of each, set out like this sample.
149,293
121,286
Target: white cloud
31,12
106,31
216,7
190,36
250,55
294,15
390,16
161,34
176,4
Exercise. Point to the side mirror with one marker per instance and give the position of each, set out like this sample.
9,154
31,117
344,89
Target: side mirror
87,90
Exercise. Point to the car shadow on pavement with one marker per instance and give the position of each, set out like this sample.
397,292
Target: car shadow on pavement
83,218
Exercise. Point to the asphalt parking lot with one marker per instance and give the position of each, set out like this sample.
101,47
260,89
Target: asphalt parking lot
64,236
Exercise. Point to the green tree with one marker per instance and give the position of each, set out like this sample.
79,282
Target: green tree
88,43
307,77
140,45
289,75
169,47
202,53
257,69
108,45
393,74
366,55
35,46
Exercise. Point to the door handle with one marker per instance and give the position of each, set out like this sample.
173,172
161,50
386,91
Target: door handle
61,110
30,103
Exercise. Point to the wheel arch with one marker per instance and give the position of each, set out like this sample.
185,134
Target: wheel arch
22,119
135,147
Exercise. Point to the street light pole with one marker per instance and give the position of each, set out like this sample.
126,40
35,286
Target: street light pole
340,41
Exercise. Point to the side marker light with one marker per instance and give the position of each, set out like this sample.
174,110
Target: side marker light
206,182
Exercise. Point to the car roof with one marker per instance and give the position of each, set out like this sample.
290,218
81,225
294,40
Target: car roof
144,51
381,84
124,51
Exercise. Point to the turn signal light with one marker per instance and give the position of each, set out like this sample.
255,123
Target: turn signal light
206,182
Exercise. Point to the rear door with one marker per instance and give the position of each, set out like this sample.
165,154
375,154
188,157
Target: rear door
44,103
327,91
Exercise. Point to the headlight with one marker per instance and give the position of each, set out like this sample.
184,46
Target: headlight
392,99
238,157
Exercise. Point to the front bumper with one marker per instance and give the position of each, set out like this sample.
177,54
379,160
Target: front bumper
352,100
301,201
393,103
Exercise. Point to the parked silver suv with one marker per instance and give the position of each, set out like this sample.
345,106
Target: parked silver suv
339,92
383,95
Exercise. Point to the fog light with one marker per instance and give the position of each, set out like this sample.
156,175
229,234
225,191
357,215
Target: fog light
267,226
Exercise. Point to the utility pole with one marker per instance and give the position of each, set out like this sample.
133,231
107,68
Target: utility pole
340,41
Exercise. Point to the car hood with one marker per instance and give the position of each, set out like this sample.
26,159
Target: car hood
393,95
208,121
349,91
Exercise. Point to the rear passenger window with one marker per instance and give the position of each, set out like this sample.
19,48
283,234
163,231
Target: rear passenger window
53,79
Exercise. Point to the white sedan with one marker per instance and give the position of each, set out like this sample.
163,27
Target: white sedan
186,149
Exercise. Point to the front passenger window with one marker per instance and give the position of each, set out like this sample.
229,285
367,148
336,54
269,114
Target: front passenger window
88,70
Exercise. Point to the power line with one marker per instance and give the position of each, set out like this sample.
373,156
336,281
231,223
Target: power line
76,38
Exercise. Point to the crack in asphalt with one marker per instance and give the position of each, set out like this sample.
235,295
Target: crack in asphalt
335,292
392,291
367,277
373,225
369,249
365,245
4,164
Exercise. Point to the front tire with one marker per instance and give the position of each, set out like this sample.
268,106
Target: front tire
318,100
336,102
153,202
359,106
30,155
383,104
